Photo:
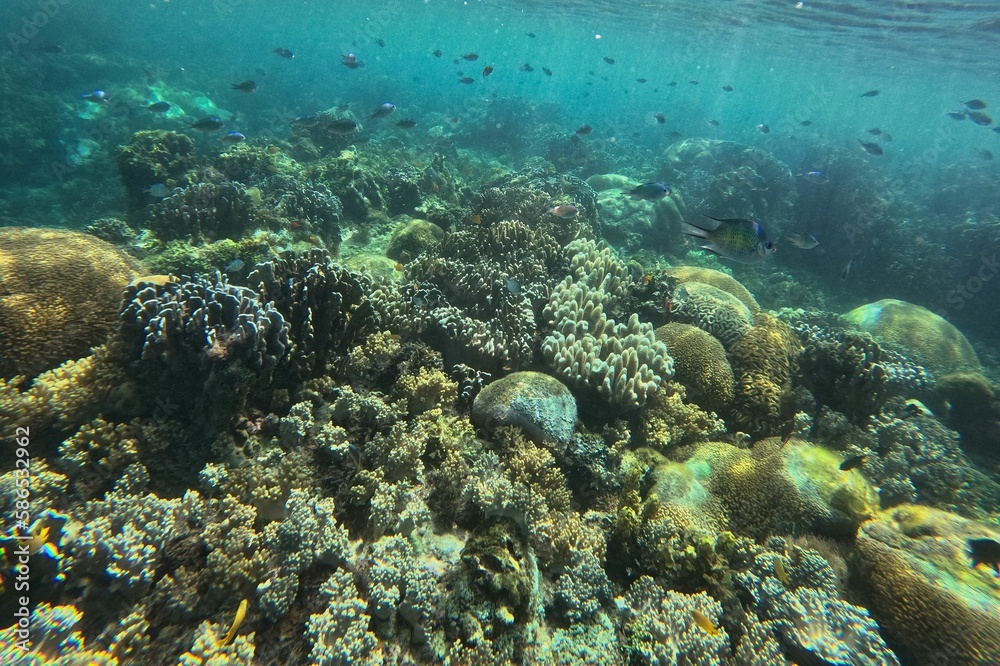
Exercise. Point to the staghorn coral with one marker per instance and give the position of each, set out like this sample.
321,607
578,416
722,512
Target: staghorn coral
931,339
717,279
59,296
913,562
660,627
53,640
623,363
211,649
700,364
764,361
712,310
326,307
474,292
203,212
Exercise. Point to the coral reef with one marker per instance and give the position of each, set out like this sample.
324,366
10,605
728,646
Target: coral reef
623,363
153,157
700,364
61,291
914,563
202,212
711,309
933,341
411,239
714,278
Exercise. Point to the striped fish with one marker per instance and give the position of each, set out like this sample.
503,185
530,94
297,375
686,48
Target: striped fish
741,240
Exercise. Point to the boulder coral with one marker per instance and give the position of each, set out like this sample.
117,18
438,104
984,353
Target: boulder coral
914,562
717,279
700,364
934,341
60,296
537,403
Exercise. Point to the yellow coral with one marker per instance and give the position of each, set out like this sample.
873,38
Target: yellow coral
61,294
429,389
669,421
700,364
717,279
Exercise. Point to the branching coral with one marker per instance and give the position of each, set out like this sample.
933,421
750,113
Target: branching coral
203,212
623,363
669,421
340,635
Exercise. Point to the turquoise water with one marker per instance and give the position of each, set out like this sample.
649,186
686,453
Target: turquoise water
291,404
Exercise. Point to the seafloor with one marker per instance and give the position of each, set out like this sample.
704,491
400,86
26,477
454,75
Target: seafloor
329,400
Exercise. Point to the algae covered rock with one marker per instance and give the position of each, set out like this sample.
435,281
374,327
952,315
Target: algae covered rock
540,405
935,342
412,238
59,296
915,563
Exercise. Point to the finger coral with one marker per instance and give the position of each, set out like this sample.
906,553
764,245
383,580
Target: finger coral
623,363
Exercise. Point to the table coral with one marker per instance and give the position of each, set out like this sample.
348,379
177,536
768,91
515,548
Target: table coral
61,290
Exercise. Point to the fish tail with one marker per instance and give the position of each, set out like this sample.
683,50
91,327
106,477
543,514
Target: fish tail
692,230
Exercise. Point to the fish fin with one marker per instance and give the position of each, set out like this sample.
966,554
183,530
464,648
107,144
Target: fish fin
692,230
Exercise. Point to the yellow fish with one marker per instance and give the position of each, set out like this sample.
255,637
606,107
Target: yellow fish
705,623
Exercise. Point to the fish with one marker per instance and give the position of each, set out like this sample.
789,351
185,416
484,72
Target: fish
95,96
584,130
727,88
871,93
875,131
383,110
672,84
609,60
50,48
475,219
956,115
660,118
713,123
763,129
235,265
437,53
985,551
564,211
803,241
674,134
406,123
914,407
640,80
273,150
380,42
350,61
531,34
526,68
846,272
984,154
548,72
780,573
975,104
980,118
852,462
471,57
232,138
342,126
159,107
208,124
468,80
886,136
487,70
814,177
693,82
871,148
283,53
513,286
705,623
741,240
245,86
399,267
158,190
650,191
806,123
306,120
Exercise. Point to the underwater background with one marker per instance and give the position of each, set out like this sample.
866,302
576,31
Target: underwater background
499,332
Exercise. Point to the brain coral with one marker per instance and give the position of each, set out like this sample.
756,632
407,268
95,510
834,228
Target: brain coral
700,364
59,296
717,279
713,310
934,341
914,561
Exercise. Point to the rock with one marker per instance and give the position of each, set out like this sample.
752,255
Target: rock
537,403
914,561
412,238
934,342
